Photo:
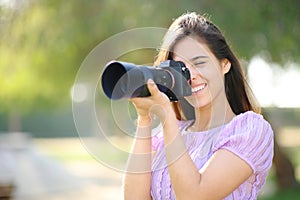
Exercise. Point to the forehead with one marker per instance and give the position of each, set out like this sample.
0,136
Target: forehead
190,47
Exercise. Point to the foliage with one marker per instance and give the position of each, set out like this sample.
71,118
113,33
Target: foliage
44,42
284,195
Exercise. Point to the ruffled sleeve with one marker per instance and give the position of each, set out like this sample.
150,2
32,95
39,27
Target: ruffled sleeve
251,138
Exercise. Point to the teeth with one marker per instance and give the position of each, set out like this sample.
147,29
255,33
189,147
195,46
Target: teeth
201,87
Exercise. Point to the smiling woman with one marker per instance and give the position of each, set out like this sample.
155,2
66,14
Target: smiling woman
213,137
207,73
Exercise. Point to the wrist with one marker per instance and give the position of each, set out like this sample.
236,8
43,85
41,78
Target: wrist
144,127
170,118
166,114
144,121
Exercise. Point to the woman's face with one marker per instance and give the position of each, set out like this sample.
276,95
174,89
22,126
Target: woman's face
207,72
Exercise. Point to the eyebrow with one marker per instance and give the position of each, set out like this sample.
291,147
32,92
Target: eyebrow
197,57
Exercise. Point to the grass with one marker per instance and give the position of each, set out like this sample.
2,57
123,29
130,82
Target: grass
63,149
289,194
274,193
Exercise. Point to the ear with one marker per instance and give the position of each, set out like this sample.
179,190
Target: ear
226,65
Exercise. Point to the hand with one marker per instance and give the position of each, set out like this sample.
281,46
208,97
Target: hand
158,103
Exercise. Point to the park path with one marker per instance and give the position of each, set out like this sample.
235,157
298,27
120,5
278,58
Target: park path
39,176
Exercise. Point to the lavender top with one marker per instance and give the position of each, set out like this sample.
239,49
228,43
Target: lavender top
248,136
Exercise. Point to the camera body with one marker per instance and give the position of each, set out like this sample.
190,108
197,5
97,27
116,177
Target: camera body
181,80
127,80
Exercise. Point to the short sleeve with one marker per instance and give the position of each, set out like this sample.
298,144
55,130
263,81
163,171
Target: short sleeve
250,138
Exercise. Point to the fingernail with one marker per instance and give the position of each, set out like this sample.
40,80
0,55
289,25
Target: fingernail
150,81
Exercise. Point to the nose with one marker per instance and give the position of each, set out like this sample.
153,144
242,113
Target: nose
193,72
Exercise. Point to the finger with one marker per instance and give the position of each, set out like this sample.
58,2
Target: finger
152,87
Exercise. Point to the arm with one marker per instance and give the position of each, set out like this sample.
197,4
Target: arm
137,180
223,173
137,185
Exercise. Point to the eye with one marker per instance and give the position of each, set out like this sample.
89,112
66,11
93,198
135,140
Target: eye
199,63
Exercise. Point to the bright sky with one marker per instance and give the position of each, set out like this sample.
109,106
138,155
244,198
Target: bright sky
273,85
6,3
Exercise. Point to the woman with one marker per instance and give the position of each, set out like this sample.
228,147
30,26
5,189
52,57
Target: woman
213,144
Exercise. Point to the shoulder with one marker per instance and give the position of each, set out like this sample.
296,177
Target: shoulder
247,126
248,121
250,137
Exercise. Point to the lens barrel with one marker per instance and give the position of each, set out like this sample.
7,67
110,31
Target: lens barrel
127,80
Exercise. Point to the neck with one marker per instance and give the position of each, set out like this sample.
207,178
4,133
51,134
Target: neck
212,116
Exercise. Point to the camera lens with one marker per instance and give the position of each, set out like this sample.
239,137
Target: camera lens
112,76
127,80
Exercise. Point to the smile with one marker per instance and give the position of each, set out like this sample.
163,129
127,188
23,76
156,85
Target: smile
199,88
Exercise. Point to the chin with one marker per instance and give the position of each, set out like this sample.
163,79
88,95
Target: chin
197,103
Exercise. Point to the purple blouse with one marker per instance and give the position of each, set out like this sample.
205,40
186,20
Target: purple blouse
248,136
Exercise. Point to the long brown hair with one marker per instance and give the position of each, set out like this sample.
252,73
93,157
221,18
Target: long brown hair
237,91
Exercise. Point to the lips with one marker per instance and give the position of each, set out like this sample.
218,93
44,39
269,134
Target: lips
199,87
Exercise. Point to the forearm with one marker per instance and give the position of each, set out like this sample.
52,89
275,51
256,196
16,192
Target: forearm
137,179
184,174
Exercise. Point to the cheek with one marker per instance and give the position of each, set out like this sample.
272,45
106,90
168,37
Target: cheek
216,83
214,74
215,80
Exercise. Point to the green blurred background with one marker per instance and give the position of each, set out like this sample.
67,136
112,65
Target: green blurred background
44,42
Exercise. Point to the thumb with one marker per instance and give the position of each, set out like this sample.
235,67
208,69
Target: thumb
152,87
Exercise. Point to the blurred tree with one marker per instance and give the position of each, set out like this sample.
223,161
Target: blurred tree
42,46
269,26
44,42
